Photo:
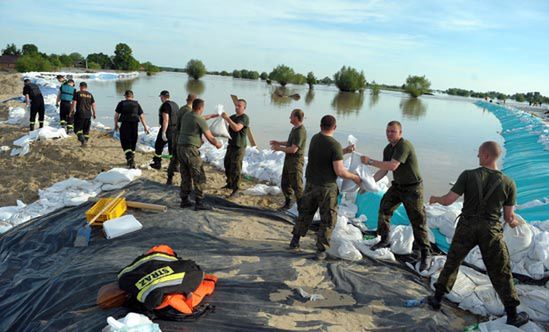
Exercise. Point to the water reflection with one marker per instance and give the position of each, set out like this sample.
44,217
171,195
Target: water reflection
413,108
348,102
122,86
309,97
283,96
374,98
195,86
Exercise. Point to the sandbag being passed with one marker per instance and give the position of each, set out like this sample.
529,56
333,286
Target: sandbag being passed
219,126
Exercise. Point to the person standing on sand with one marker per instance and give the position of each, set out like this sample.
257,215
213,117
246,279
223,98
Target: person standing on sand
129,113
238,129
34,99
399,157
487,190
167,119
191,167
324,166
294,148
64,99
83,109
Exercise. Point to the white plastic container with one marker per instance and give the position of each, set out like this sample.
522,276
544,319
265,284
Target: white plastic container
120,226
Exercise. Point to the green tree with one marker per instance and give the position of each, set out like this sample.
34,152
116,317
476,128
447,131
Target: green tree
150,68
66,60
299,79
326,81
375,88
282,74
311,79
417,85
33,62
519,97
29,49
101,59
225,73
93,65
237,73
11,49
77,58
253,75
348,79
54,61
264,76
195,69
123,58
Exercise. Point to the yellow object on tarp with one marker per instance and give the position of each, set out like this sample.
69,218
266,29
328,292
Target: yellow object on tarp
117,209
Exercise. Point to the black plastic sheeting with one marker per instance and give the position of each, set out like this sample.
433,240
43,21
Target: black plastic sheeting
46,284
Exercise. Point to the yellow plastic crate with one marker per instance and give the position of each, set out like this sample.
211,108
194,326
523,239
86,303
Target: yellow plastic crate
115,211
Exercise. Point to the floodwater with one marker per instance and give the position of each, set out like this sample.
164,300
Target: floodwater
445,131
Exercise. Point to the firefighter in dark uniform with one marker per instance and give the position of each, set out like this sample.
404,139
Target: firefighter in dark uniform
34,99
167,119
486,191
236,149
399,157
324,166
192,127
64,99
294,148
129,113
83,109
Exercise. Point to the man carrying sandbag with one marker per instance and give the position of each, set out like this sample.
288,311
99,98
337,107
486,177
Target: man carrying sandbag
192,127
486,191
324,166
294,148
83,109
34,99
399,157
238,129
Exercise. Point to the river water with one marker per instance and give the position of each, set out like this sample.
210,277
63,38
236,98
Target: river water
446,131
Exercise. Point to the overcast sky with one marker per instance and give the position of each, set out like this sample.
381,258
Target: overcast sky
479,45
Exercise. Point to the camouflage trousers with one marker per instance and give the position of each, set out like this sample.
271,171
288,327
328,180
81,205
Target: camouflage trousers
233,165
488,235
412,198
323,198
292,177
192,171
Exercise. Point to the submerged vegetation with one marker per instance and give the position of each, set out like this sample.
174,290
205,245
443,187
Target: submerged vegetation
348,79
417,86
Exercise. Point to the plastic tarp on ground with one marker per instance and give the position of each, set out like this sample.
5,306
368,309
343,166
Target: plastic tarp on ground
47,284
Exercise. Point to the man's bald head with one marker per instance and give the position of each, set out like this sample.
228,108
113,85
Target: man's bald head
492,148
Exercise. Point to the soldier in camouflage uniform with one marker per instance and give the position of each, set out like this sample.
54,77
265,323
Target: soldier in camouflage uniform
191,129
324,166
292,173
399,157
487,191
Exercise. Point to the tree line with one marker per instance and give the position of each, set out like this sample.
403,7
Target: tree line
31,59
533,98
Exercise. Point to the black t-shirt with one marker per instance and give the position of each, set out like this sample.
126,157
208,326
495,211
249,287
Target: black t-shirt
84,101
171,108
129,111
32,90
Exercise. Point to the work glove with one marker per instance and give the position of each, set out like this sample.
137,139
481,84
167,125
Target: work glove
164,137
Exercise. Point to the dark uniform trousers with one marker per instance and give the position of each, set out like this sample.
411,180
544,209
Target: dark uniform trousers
128,137
37,107
82,128
172,147
323,198
488,235
159,144
412,198
64,111
292,177
192,171
233,165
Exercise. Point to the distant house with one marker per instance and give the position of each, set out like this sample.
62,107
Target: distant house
7,62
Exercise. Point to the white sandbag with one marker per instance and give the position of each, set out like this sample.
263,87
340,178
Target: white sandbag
518,238
119,226
144,148
535,301
48,132
133,322
474,257
383,254
498,325
487,294
344,250
118,175
262,190
463,286
345,231
219,127
539,250
349,185
368,182
22,141
402,239
347,209
473,304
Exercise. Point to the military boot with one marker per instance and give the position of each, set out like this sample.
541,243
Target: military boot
294,243
384,243
516,319
156,163
287,204
425,261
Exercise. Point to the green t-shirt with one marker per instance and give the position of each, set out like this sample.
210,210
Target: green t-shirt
239,139
408,170
192,128
504,195
298,137
323,151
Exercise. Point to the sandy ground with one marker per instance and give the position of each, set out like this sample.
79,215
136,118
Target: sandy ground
55,160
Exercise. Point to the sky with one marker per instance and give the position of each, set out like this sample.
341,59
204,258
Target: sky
478,45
